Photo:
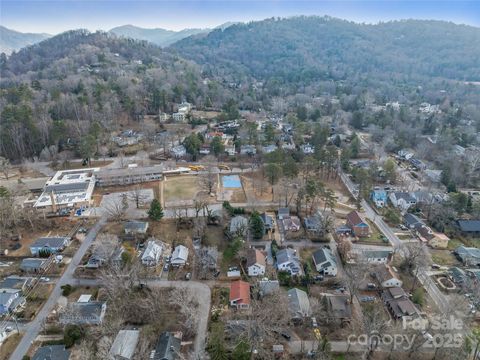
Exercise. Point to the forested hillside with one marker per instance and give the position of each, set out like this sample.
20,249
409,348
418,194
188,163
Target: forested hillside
80,83
302,50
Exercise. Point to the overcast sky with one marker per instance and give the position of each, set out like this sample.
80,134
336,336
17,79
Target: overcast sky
60,15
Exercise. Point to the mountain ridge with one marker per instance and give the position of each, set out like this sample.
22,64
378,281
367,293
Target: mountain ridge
12,40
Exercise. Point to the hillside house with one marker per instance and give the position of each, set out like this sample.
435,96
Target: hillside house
298,304
359,227
167,347
385,277
240,294
152,254
402,200
379,198
325,262
287,260
255,263
49,245
124,345
135,227
469,227
179,256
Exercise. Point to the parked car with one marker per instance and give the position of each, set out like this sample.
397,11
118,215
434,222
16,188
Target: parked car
188,276
436,266
371,286
367,299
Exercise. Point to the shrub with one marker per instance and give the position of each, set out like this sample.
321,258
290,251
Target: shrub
67,289
72,334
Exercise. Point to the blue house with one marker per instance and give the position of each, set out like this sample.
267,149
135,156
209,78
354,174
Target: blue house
49,244
379,197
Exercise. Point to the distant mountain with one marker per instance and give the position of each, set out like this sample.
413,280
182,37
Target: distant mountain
160,37
11,40
305,49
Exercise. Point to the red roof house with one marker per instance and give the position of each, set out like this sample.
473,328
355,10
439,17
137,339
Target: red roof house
240,294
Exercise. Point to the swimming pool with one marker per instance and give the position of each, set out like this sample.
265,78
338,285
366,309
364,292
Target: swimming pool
231,181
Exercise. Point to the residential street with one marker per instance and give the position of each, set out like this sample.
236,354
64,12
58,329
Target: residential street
33,328
424,279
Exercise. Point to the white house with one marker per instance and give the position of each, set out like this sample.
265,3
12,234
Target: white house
325,262
287,260
179,256
385,278
152,254
255,262
308,149
402,200
178,151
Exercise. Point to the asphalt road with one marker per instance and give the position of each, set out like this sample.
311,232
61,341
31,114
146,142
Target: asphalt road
422,276
33,328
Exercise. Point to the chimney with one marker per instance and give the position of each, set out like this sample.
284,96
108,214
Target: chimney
54,205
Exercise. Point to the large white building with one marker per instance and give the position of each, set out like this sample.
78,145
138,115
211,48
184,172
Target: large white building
68,189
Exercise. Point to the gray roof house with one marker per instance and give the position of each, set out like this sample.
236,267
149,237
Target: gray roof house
469,226
52,352
14,283
298,303
283,213
339,307
268,287
267,222
412,221
34,265
287,260
168,347
239,225
8,301
402,200
325,261
49,244
313,224
90,313
179,256
124,345
469,256
376,256
136,227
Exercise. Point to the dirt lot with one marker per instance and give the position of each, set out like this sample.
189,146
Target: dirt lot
48,227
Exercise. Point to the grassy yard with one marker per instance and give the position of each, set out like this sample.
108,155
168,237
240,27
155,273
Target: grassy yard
454,243
443,257
375,235
9,345
180,188
74,165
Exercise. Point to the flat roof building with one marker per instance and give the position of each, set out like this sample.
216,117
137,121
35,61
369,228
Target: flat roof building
69,188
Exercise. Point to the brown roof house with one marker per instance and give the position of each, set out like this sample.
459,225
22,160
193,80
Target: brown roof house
339,307
255,262
359,227
385,277
398,303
